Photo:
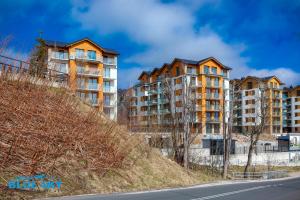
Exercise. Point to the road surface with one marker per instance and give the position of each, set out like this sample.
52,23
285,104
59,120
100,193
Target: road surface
288,189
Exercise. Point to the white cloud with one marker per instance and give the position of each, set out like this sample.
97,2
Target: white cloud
167,30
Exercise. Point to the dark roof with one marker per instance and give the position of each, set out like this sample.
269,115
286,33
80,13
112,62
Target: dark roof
263,78
144,72
154,70
194,62
65,45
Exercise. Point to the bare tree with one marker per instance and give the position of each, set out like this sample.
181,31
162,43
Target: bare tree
227,128
261,119
181,138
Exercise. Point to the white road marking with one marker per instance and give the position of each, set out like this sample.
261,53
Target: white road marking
234,192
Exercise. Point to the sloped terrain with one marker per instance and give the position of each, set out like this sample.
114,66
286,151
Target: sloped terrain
48,130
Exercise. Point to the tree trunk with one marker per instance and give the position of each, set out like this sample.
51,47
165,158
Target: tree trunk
249,161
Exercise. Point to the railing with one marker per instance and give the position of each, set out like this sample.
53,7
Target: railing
86,57
109,61
93,87
260,175
109,89
81,71
10,65
59,55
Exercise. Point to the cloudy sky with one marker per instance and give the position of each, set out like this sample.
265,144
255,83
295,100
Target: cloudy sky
259,38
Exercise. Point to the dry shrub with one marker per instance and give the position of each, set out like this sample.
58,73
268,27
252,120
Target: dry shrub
40,126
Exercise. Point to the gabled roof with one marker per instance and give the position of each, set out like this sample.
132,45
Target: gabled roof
154,70
65,45
144,73
262,78
194,62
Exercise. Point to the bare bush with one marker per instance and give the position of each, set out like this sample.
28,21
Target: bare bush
40,126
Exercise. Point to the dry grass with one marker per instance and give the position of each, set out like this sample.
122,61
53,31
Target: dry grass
48,130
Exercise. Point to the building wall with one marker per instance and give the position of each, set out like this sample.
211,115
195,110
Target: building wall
145,110
97,67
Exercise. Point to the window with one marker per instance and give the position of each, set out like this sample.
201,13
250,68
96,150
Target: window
298,92
107,100
216,82
62,67
177,71
216,116
80,69
93,98
80,83
107,86
93,84
79,53
249,85
91,55
206,69
191,70
208,83
106,72
81,95
214,70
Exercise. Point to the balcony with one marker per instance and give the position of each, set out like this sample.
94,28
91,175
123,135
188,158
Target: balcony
93,87
277,123
109,90
213,108
143,103
94,102
212,96
108,104
210,85
88,72
164,111
86,58
109,61
59,55
212,120
198,108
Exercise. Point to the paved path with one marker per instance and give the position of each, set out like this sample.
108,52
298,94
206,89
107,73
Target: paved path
285,189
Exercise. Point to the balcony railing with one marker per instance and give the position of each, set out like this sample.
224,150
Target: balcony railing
86,57
109,61
60,55
109,89
86,72
94,102
93,87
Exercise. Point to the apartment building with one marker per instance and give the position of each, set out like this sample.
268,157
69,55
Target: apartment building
254,97
161,94
291,110
91,71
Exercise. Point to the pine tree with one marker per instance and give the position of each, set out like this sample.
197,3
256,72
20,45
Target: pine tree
38,59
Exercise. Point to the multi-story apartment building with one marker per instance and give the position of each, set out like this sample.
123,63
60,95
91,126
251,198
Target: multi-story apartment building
251,95
291,110
162,93
91,71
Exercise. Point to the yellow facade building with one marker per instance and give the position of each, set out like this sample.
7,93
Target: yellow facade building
205,82
91,71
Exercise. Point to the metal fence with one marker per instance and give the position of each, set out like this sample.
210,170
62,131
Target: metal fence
259,175
14,66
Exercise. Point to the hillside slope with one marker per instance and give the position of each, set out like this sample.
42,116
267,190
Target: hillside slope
48,130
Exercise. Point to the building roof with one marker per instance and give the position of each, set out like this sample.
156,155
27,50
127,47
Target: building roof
194,62
262,78
65,45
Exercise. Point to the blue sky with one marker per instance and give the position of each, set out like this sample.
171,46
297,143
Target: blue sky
259,38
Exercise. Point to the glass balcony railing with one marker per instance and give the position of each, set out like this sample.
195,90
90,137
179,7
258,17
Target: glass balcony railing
109,61
60,55
88,72
93,87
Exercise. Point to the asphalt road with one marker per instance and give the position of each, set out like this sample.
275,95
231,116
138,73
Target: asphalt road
273,190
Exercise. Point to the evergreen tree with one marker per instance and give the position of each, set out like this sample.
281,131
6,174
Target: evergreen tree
38,59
